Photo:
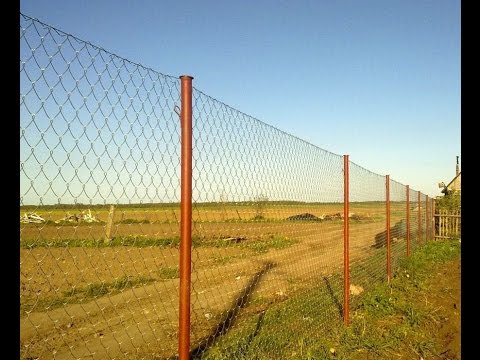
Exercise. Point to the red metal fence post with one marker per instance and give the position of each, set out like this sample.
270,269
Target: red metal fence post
408,220
389,265
427,220
185,217
419,240
346,235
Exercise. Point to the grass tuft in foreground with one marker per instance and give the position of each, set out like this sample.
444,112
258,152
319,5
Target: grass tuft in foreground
416,316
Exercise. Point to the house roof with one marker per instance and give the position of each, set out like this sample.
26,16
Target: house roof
455,178
451,182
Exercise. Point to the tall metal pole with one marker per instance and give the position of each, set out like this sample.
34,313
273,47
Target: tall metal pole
185,217
419,240
346,238
389,254
408,220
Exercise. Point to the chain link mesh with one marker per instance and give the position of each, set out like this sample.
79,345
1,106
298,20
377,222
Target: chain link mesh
425,209
268,213
99,215
368,255
96,130
415,240
398,222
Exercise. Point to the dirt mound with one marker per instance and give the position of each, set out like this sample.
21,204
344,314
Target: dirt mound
304,217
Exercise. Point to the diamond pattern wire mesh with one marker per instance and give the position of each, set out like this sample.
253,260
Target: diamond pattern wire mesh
96,130
398,222
425,208
268,225
368,255
99,207
414,238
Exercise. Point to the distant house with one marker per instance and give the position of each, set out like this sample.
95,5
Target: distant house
455,185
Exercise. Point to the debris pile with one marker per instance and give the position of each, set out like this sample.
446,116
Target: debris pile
305,216
82,217
235,239
31,218
335,216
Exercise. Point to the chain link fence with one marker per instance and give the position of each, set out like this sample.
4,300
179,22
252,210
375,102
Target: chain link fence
100,215
96,130
270,208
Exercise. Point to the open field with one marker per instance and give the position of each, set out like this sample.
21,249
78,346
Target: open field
211,212
81,297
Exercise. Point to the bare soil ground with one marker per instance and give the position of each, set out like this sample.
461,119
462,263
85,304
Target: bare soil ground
135,322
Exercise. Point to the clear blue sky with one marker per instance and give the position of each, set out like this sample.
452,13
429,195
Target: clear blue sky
378,80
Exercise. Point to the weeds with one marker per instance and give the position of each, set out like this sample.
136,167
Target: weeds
388,319
258,245
166,273
87,293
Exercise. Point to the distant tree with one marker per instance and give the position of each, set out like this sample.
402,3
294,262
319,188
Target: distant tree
260,202
451,201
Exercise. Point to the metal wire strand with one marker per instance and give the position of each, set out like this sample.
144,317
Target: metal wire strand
100,215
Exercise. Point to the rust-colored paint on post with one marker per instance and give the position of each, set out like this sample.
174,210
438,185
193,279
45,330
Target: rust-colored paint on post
389,249
185,217
419,240
346,249
427,217
408,220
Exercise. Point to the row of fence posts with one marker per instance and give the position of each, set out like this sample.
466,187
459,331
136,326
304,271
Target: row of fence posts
186,222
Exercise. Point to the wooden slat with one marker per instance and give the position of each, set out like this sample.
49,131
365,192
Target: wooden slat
447,223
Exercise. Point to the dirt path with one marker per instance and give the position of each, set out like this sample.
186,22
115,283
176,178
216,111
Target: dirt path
143,320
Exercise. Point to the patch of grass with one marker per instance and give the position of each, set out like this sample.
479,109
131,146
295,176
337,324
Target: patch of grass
96,290
43,305
83,294
71,223
272,242
259,245
143,241
378,303
258,218
389,320
136,241
133,221
166,273
112,287
222,260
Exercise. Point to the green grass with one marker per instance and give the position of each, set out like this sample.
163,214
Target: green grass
273,242
112,287
133,221
254,219
166,273
173,205
309,325
258,245
223,260
87,293
136,241
69,223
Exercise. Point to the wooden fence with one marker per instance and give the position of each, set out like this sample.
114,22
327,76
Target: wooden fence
448,224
